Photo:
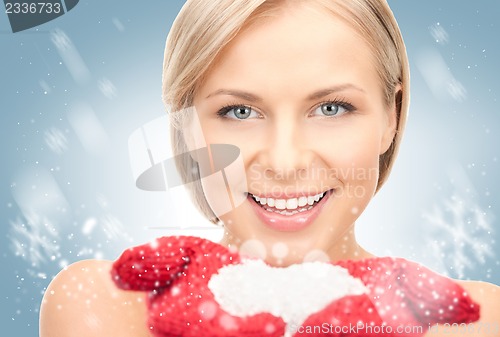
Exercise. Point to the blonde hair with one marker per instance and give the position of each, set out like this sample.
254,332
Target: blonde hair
203,28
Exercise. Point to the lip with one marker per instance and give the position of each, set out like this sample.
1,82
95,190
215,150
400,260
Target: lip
287,195
289,223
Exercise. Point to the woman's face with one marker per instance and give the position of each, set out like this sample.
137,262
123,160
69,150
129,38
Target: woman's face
300,96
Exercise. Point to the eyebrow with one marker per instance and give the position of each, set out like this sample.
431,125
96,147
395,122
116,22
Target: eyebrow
237,93
325,92
314,96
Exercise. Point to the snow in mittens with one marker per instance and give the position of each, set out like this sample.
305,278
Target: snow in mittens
292,293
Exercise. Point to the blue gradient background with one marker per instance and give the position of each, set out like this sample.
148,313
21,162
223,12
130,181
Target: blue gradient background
450,150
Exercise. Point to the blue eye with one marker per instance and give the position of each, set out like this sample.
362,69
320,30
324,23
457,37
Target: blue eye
238,112
333,109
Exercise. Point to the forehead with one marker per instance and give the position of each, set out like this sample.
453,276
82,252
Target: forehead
299,46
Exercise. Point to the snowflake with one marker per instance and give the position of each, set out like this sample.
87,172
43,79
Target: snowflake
439,34
114,228
56,140
107,88
34,239
456,90
462,232
61,40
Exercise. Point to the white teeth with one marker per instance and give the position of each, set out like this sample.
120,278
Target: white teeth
310,200
292,203
289,204
280,204
286,212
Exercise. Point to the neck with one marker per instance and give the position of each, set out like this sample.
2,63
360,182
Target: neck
345,248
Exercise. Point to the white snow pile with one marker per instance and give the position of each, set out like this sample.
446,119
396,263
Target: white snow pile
292,293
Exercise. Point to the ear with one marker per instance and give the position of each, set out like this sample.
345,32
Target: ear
391,121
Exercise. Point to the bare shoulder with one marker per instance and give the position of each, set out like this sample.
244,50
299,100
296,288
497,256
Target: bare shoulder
487,295
82,300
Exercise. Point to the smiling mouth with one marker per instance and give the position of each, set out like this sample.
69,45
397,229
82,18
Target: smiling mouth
289,206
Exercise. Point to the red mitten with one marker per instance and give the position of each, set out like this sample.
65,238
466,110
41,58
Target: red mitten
347,316
176,271
405,299
407,294
376,295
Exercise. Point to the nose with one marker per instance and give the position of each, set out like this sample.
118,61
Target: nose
286,150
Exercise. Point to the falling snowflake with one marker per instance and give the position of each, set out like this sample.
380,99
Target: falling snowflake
439,34
89,226
107,88
45,87
456,90
35,239
61,40
438,76
113,228
118,24
56,140
462,231
70,56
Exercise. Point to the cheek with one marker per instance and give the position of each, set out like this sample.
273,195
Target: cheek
222,169
224,183
216,132
355,145
353,156
246,141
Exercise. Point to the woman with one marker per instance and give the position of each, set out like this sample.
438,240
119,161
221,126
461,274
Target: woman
314,94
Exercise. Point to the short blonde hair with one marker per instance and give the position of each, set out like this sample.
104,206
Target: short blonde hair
203,28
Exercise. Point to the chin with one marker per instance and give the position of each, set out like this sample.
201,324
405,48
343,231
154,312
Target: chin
282,247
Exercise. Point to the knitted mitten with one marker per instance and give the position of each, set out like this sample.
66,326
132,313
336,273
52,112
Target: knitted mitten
175,271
